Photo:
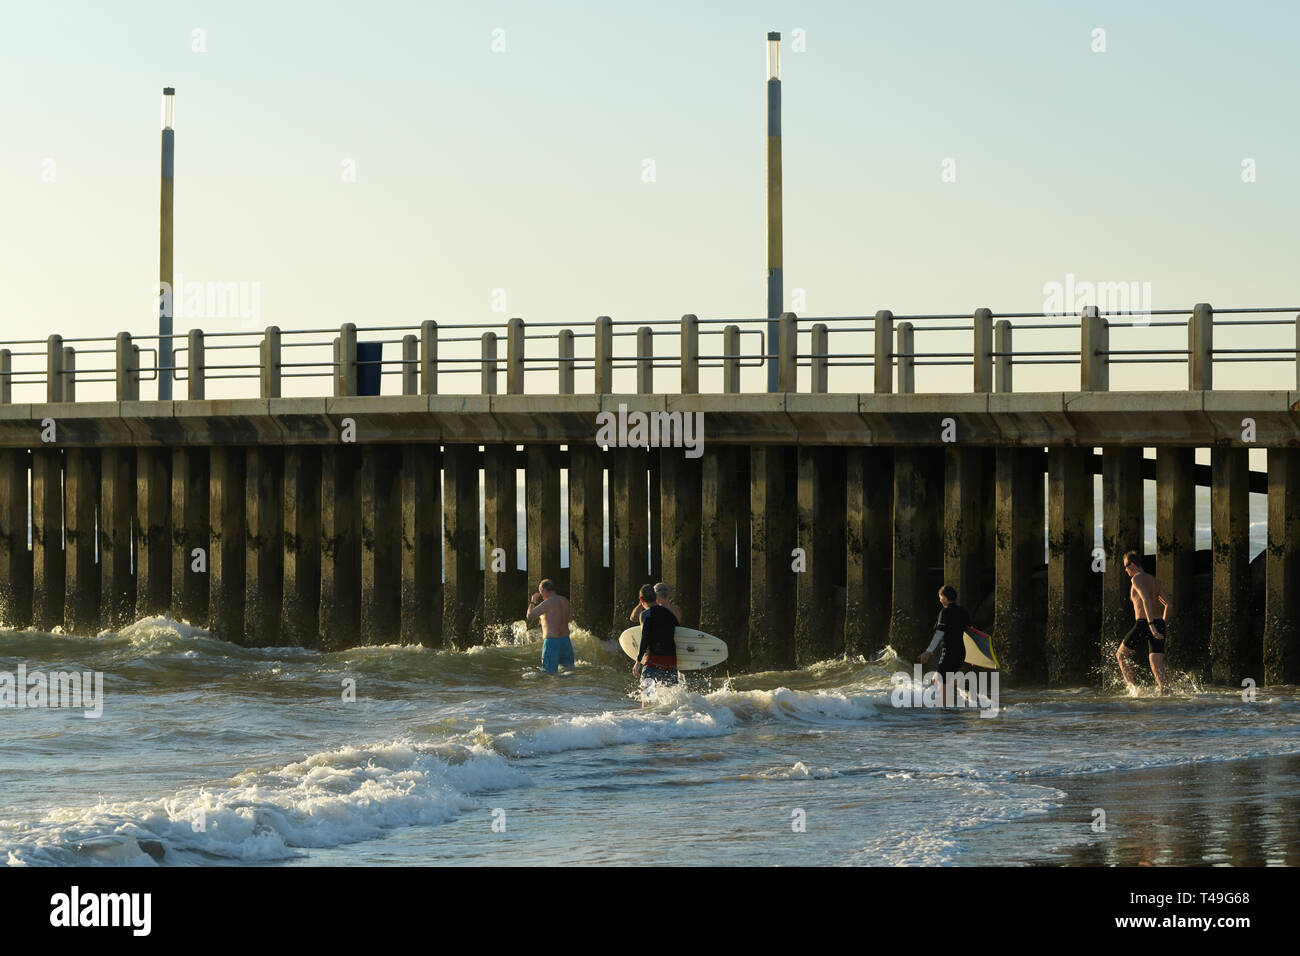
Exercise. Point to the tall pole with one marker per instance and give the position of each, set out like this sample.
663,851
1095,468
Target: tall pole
166,295
775,293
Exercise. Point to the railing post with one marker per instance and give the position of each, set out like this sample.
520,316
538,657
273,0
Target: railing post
410,365
564,359
731,366
429,357
1297,354
884,362
1002,345
122,356
515,357
345,368
1094,346
197,365
69,374
268,371
489,355
54,368
7,375
1200,346
820,358
906,361
645,361
690,355
134,374
269,362
983,352
604,355
788,350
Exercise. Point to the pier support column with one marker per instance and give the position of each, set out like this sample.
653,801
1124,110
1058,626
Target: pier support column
226,577
1019,502
1188,647
1282,590
48,568
381,543
189,526
340,566
1234,653
869,531
681,480
771,540
300,606
655,529
81,497
1072,650
740,495
460,545
421,545
918,547
967,492
542,499
815,516
116,507
264,543
502,603
1123,529
153,542
629,542
587,591
15,558
721,612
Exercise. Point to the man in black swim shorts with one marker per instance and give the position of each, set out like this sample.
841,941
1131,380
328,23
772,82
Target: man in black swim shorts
1149,630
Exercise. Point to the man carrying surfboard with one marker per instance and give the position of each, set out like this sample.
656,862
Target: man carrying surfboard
949,639
656,658
1148,631
556,614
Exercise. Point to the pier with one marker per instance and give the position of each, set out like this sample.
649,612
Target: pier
804,522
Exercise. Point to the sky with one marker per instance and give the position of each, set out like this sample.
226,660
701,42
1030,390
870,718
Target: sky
391,162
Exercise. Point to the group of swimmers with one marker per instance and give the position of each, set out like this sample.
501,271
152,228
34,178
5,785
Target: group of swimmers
656,658
1149,632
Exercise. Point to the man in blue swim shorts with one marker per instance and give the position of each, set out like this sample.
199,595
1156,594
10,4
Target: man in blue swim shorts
556,615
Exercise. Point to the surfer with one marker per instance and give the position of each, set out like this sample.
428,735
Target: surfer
556,615
656,658
950,640
1149,631
661,598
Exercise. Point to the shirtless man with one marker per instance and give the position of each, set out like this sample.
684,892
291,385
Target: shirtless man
1144,593
556,615
661,598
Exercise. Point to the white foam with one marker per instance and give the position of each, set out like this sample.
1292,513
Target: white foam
967,807
610,729
329,799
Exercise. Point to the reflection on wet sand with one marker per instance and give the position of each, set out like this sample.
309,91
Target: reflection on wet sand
1229,813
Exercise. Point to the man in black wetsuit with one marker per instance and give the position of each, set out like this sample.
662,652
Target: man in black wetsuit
658,649
949,639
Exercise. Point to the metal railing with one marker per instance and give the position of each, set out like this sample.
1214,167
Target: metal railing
353,359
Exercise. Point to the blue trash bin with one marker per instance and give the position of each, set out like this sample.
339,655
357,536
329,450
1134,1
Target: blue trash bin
369,376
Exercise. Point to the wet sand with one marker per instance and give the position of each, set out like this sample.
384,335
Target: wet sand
1224,813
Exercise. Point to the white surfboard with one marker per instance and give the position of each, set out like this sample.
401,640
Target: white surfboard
695,649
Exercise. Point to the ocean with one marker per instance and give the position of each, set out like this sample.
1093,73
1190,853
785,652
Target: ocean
212,754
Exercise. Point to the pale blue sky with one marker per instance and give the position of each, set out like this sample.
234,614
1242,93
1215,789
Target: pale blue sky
522,170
